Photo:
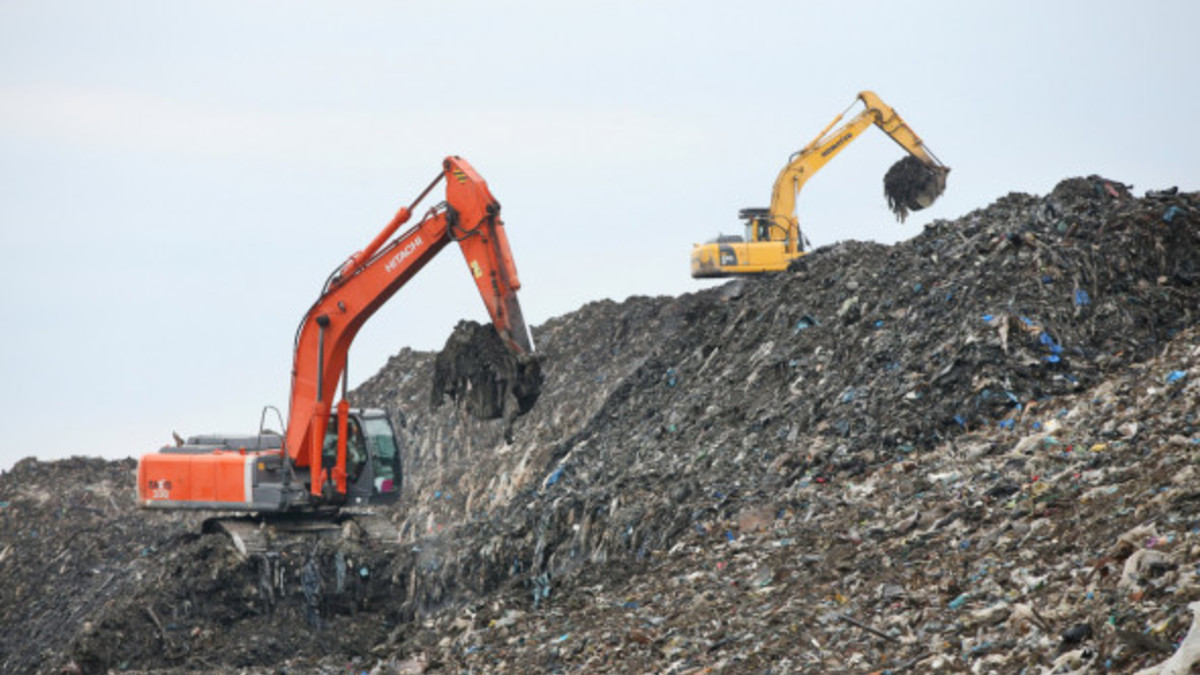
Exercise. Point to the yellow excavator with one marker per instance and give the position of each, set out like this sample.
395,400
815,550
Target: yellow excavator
773,238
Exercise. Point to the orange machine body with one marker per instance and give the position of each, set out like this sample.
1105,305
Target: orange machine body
298,470
223,478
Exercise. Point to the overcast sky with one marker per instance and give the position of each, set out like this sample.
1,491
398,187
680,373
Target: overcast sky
179,178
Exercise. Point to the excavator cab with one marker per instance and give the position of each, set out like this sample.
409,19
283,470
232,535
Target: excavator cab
373,469
759,225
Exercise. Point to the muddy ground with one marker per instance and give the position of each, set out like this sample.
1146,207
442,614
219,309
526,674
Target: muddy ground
972,451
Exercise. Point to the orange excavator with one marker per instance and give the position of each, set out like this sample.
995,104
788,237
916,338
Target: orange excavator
329,459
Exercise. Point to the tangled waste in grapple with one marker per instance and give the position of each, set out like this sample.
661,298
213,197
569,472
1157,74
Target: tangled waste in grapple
905,183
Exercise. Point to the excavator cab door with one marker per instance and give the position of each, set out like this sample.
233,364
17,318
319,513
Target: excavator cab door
382,473
373,469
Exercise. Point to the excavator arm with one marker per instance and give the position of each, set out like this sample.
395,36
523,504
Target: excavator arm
813,157
889,121
470,217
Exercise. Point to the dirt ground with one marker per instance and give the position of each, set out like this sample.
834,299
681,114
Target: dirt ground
969,452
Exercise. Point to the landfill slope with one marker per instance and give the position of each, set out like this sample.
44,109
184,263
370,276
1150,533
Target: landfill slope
72,542
971,451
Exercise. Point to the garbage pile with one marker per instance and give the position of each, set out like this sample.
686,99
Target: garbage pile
1068,543
71,542
973,451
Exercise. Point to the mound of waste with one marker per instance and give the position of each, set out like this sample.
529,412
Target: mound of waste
72,543
973,451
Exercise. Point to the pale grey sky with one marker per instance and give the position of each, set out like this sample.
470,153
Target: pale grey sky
178,179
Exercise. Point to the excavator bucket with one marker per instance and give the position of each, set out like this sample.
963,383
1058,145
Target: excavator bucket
912,185
478,370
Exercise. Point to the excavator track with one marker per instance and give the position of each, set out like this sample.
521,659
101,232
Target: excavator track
245,535
377,529
253,535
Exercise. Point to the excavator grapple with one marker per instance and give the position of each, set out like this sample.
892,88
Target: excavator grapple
912,185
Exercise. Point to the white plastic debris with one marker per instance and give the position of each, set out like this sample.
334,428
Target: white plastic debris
1074,662
1188,653
1138,563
